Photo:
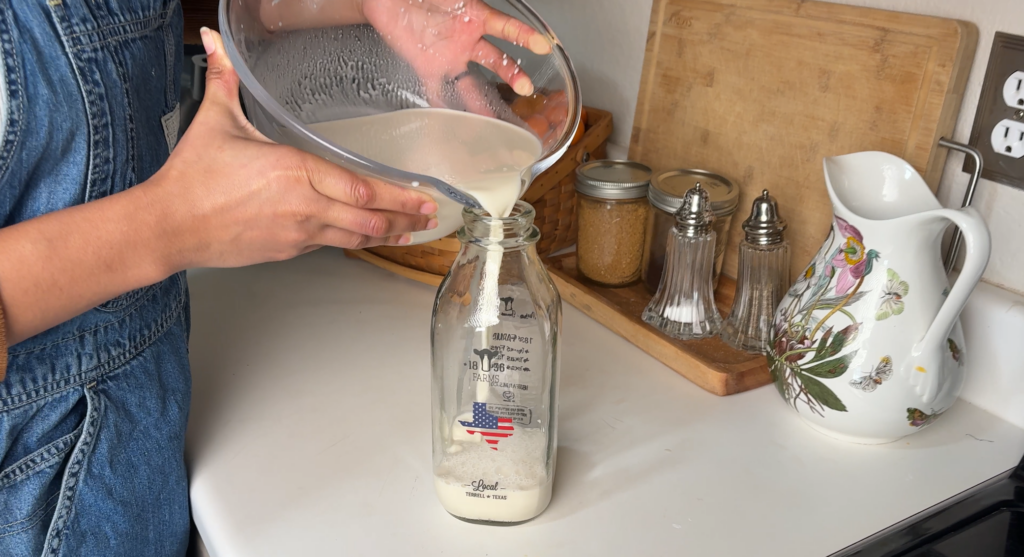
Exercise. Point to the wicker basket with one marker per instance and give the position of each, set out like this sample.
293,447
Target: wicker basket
552,195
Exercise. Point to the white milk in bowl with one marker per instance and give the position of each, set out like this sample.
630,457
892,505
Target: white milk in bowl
482,156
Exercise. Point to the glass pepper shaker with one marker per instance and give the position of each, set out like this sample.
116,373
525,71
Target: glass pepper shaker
762,278
684,306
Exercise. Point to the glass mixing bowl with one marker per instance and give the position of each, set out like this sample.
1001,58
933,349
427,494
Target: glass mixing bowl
301,70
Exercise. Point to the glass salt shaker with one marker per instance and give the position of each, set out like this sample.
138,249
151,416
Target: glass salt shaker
762,278
666,195
684,306
494,342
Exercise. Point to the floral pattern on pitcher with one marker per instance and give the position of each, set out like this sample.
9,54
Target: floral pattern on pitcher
954,351
892,296
881,373
919,418
807,350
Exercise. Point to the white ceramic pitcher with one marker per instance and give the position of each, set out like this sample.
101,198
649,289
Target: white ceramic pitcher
867,344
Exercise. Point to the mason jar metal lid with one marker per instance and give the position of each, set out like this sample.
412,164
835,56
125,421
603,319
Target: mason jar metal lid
608,179
668,189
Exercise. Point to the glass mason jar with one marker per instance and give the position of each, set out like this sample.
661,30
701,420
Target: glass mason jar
611,217
494,344
666,195
610,238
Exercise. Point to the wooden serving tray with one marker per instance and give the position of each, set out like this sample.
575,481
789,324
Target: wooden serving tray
710,363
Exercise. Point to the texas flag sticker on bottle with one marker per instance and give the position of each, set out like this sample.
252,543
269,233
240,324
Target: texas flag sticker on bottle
488,426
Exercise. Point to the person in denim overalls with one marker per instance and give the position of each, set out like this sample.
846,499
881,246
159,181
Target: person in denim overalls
93,294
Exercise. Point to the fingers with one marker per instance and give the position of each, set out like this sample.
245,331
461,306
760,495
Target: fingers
374,223
221,79
515,32
341,238
358,228
367,207
492,58
365,193
221,96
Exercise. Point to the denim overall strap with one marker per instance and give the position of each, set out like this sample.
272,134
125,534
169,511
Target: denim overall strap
93,411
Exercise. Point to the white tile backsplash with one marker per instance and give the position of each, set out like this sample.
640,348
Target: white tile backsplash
606,40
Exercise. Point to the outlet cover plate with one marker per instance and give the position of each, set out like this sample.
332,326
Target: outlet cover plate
1007,57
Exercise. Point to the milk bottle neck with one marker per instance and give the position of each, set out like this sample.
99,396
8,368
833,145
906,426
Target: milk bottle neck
510,233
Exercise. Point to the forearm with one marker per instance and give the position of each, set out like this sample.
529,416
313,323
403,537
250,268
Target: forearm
59,265
226,197
285,15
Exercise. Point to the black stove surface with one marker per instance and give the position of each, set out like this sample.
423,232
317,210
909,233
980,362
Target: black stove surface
984,521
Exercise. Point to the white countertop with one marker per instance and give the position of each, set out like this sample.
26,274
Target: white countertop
310,435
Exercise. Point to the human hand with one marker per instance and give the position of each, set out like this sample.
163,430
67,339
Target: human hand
439,38
242,199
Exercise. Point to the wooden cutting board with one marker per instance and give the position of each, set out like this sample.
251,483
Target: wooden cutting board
761,90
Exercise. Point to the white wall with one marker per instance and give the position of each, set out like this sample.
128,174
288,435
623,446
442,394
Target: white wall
606,40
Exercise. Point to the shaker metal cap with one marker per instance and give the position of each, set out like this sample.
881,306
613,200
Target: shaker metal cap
764,226
608,179
694,217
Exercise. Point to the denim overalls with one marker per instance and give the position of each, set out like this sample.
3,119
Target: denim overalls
93,411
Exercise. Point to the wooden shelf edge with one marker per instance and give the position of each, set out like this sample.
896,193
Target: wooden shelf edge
418,276
706,375
710,377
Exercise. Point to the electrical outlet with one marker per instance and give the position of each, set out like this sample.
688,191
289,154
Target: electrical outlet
1013,90
998,131
1008,138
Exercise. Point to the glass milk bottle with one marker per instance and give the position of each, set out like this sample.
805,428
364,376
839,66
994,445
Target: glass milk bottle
494,343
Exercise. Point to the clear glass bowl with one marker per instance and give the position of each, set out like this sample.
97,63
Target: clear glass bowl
294,78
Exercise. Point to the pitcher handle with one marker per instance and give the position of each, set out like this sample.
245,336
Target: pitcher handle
979,245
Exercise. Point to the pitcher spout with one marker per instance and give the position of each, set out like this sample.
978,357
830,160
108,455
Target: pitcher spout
876,186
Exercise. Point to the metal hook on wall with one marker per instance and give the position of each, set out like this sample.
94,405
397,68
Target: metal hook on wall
954,242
